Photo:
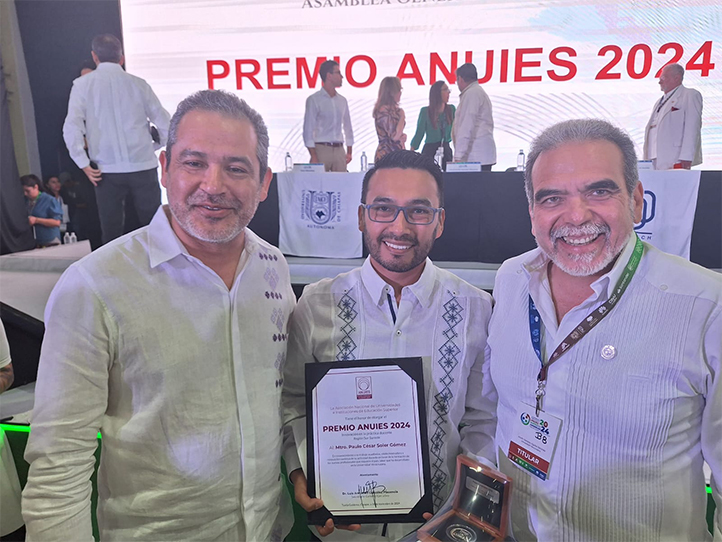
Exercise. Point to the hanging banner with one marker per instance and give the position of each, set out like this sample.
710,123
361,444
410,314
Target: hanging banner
670,200
539,61
318,214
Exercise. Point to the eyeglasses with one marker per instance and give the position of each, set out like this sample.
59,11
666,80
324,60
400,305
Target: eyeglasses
414,214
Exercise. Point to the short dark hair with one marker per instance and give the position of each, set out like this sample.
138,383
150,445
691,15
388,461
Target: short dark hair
326,68
228,105
467,72
30,180
406,160
107,48
578,130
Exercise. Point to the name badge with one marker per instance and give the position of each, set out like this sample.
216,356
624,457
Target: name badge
308,168
535,438
462,167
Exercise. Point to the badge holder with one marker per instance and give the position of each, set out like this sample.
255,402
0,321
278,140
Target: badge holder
479,507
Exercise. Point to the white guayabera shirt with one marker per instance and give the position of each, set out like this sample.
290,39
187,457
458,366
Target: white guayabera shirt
639,397
440,318
183,379
111,108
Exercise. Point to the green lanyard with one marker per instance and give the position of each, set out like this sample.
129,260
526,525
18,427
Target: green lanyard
583,328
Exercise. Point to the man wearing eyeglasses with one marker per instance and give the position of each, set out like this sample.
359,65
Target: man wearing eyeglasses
399,304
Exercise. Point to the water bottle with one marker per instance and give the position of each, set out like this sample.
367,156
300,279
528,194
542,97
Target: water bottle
289,162
520,160
439,157
364,161
73,237
66,238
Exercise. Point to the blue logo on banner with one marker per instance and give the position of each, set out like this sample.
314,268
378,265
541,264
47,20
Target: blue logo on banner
649,210
321,207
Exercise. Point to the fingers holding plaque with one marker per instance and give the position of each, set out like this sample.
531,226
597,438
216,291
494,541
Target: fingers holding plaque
367,445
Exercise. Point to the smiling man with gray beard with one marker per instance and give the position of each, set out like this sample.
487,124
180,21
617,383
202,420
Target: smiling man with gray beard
170,341
605,353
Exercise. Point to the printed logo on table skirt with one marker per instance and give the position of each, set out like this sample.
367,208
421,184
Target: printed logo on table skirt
321,207
649,210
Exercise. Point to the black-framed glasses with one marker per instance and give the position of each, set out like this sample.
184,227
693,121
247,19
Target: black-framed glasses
414,214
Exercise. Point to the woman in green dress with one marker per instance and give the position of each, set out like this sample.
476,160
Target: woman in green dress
435,123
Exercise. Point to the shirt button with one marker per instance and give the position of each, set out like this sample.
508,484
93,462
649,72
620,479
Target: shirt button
398,332
663,287
608,352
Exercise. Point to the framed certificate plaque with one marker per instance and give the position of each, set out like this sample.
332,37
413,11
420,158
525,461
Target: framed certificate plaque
367,441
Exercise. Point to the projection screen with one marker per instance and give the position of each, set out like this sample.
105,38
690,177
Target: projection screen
539,61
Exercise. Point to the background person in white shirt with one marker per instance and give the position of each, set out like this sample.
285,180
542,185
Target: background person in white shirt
673,137
327,121
400,304
639,394
473,128
111,109
171,341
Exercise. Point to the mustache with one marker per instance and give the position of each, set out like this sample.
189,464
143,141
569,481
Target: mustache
402,238
214,200
589,228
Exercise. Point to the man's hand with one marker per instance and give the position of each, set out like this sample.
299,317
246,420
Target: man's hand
300,492
6,377
349,156
32,220
94,175
314,156
685,164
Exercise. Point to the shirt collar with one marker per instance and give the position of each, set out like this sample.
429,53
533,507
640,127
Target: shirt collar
468,87
109,66
535,266
668,94
163,243
378,288
604,285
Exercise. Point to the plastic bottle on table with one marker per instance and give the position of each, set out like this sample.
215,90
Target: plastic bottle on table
66,238
520,160
73,238
364,161
289,162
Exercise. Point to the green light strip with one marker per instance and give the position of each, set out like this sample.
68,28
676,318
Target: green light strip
15,428
26,429
21,428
